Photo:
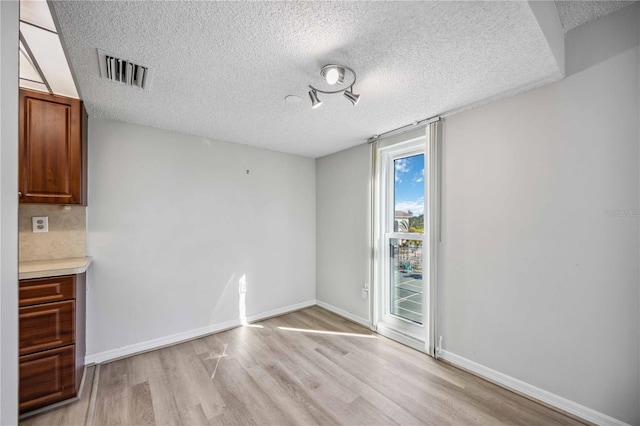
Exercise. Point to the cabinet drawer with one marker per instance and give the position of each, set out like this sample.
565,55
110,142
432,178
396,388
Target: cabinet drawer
46,377
46,326
47,290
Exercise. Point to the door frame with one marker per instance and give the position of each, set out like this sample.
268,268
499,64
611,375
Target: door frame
431,139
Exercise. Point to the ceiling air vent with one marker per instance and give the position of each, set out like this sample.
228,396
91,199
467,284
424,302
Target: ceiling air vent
124,71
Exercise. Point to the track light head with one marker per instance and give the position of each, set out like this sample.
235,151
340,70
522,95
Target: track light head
332,74
315,102
353,98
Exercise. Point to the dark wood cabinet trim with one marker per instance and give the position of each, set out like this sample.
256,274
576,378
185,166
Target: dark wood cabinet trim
84,180
80,327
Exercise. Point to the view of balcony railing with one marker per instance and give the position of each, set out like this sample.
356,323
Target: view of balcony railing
406,279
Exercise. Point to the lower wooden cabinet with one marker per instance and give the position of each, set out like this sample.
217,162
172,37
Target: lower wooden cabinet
47,377
52,339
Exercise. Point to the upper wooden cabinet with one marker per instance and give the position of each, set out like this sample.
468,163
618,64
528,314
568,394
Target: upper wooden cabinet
53,149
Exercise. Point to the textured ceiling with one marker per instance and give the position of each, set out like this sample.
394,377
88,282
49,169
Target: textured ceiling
222,69
574,13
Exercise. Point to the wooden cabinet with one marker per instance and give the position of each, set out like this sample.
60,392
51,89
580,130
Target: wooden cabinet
52,339
53,149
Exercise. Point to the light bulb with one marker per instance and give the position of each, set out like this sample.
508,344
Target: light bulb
332,76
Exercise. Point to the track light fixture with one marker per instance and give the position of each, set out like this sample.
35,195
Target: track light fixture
335,75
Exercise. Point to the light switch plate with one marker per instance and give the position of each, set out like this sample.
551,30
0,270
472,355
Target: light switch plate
40,224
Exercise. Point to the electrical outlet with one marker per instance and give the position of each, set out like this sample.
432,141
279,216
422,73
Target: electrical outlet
364,293
40,224
243,284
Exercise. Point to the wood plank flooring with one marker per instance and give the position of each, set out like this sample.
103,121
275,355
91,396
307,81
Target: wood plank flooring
306,367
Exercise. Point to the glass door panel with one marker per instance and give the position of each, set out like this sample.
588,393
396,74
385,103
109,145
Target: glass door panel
406,279
405,286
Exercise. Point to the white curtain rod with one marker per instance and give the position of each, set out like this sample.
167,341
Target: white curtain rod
415,125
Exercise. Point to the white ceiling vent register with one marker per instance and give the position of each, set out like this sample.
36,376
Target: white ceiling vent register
124,71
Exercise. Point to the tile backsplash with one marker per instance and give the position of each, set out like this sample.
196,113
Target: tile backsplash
66,237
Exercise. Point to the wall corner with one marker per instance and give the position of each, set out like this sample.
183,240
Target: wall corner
548,19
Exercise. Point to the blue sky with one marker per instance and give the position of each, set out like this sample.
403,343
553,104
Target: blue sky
409,185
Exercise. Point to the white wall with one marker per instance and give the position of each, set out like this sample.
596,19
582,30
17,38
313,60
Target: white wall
174,223
539,280
343,205
9,13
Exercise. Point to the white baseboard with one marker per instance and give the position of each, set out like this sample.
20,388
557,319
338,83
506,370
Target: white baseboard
281,311
343,313
161,342
531,391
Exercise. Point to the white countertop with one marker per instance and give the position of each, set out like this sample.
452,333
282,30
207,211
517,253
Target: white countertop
53,267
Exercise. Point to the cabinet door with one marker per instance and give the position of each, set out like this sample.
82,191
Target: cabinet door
46,326
46,377
51,149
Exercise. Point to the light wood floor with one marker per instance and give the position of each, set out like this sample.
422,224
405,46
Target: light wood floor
271,373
